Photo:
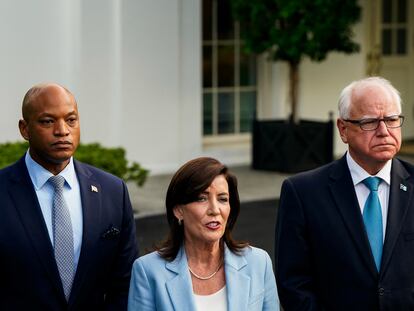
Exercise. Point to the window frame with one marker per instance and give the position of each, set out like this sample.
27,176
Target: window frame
236,89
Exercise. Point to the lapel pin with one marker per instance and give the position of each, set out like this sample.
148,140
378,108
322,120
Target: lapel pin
94,188
403,187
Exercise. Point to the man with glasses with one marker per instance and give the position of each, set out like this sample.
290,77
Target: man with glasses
345,231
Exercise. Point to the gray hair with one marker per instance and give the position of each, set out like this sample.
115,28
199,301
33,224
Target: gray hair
345,99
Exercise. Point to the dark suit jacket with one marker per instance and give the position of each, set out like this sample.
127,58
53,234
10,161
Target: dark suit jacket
323,257
29,277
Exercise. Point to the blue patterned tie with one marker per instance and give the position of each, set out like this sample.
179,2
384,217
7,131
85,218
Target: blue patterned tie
373,219
62,235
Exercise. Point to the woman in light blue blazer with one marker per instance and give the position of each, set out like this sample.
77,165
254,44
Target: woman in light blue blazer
200,266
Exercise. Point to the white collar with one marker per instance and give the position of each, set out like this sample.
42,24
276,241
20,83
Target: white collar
358,174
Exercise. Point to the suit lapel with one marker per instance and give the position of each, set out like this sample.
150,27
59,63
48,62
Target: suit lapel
91,208
181,291
343,192
397,208
180,287
28,208
238,284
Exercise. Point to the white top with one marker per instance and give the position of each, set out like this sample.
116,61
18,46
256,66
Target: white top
216,301
358,174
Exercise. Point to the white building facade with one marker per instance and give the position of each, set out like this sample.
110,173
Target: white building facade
136,68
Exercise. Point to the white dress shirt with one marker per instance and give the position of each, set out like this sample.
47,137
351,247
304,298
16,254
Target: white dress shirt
71,192
358,174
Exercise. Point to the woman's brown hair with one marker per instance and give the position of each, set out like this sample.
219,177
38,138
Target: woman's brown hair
187,184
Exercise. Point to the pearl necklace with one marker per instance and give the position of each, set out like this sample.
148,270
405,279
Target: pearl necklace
203,278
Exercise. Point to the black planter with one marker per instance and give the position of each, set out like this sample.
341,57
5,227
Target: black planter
283,146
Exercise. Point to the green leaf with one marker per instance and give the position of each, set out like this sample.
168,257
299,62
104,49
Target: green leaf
112,160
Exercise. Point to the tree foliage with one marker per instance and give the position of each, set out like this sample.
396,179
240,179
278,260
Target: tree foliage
292,29
289,30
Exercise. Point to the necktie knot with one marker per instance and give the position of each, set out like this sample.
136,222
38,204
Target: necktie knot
57,182
372,183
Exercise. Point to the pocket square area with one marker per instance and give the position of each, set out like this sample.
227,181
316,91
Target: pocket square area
111,233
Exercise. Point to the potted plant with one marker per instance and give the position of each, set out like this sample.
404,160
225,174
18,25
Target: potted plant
289,30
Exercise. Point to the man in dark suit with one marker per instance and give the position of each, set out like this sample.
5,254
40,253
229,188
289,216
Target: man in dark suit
69,246
345,231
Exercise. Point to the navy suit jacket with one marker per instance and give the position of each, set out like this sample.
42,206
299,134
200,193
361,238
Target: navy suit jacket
29,277
323,257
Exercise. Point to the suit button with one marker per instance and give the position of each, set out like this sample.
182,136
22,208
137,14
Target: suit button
381,291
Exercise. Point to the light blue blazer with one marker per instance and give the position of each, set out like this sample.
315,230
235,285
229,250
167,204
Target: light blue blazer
157,284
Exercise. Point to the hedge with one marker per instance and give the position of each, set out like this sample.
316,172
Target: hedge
112,160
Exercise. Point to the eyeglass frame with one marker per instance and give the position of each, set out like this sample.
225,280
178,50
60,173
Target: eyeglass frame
361,123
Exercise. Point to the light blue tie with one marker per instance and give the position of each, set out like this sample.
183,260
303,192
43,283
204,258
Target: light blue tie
62,235
373,219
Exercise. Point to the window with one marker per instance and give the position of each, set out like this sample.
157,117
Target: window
229,75
394,27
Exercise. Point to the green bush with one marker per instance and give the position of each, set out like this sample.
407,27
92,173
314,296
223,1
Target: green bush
111,160
11,152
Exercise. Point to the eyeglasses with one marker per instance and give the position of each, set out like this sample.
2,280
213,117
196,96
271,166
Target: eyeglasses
371,124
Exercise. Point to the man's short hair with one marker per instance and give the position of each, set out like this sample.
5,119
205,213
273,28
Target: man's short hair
345,99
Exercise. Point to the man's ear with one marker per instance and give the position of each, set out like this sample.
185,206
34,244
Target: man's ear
178,211
342,128
23,129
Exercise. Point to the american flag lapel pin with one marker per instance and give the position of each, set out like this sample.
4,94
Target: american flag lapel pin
94,188
403,187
